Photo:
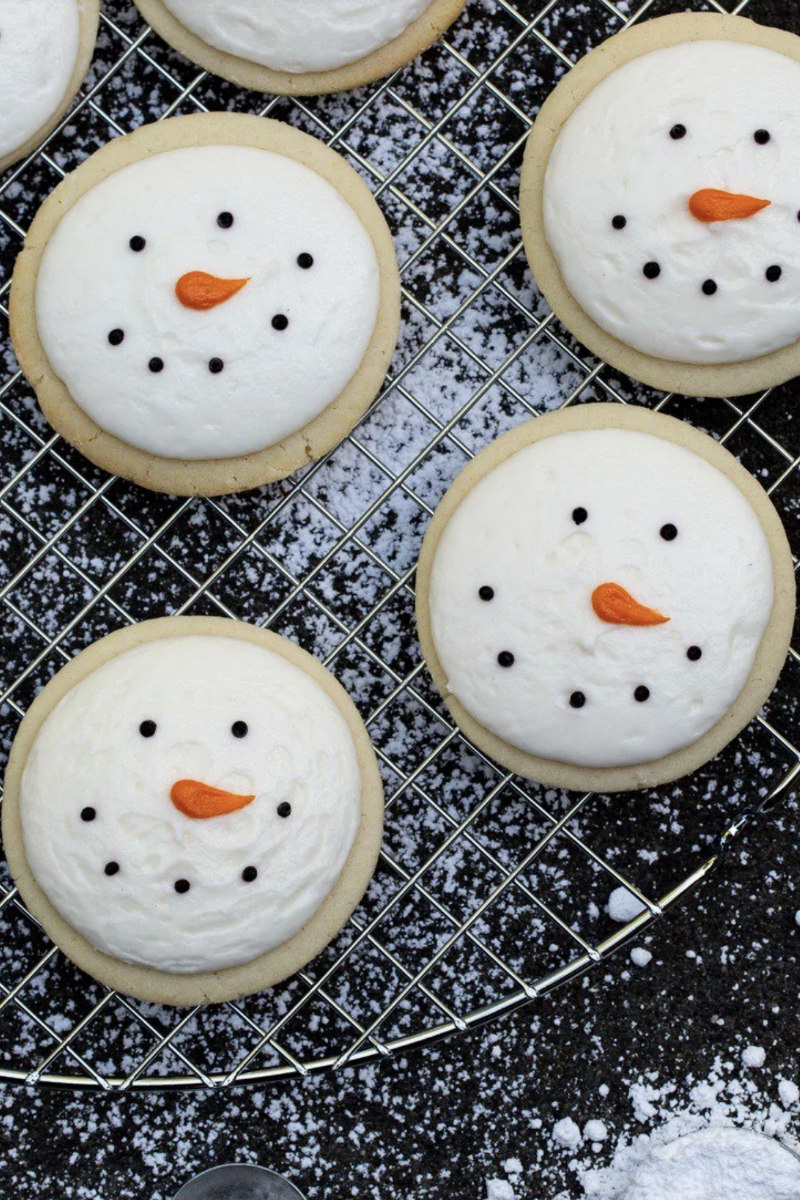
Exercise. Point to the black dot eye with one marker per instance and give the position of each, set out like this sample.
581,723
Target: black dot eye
249,874
215,365
147,728
668,532
773,274
111,868
677,132
88,813
651,270
642,693
305,261
182,886
239,729
486,592
579,515
619,222
156,364
116,337
762,136
577,700
709,287
693,653
225,220
137,244
505,658
285,809
280,322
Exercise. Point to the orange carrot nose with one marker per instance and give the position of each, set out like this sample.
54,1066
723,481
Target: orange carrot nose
198,290
613,604
710,204
199,800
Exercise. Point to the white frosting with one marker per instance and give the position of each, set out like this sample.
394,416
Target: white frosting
273,382
615,156
89,752
39,42
514,532
298,35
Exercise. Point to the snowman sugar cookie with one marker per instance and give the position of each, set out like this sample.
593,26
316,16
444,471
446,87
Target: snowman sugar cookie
45,50
605,598
660,203
192,809
207,304
300,47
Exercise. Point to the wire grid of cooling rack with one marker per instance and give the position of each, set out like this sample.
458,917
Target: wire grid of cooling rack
490,891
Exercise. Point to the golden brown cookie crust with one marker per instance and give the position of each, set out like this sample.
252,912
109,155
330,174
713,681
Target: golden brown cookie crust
162,987
692,379
205,477
772,649
89,18
419,35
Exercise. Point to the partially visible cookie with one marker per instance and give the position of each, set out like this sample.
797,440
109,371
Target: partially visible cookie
45,50
207,304
660,203
605,598
192,809
301,47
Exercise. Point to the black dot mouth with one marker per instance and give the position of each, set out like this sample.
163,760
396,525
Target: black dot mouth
249,874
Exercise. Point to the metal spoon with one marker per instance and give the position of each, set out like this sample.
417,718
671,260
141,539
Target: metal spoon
239,1182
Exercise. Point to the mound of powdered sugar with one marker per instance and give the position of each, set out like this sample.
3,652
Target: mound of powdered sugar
719,1161
730,1136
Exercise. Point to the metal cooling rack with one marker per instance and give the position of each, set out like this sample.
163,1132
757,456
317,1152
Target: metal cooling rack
490,891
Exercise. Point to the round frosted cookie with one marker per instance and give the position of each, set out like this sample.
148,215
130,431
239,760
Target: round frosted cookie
300,47
45,50
192,809
605,598
207,304
660,203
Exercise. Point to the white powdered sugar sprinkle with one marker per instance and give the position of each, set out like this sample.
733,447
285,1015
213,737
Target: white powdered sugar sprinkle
729,1135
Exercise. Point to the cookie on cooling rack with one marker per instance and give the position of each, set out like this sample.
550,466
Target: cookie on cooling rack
45,51
605,598
660,203
207,304
300,47
192,809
